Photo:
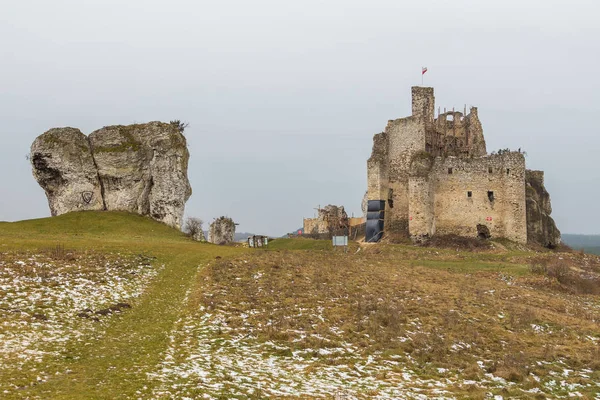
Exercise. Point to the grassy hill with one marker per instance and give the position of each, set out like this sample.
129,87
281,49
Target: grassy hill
113,305
112,357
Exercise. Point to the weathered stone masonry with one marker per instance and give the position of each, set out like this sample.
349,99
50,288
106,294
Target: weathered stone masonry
436,177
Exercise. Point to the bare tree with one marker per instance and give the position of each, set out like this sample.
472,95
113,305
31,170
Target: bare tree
193,228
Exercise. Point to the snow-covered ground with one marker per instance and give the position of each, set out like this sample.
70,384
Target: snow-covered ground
235,345
47,303
203,361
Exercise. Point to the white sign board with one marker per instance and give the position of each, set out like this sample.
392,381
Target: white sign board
340,241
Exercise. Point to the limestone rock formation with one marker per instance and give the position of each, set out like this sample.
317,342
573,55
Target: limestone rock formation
64,167
139,168
221,231
540,225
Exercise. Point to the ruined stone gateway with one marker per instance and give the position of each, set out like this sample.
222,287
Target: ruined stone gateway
434,176
330,218
139,168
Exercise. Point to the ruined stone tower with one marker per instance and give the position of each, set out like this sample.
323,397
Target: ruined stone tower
435,177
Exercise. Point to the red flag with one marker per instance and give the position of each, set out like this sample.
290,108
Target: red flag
423,70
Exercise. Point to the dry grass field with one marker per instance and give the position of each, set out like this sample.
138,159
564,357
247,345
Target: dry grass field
112,305
390,322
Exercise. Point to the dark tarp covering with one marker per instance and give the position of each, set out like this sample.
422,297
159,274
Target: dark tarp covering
374,230
375,205
375,215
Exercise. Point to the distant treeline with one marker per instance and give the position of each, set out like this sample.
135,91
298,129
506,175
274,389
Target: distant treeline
589,243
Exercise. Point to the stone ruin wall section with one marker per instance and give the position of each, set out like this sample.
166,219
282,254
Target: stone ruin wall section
406,137
456,213
425,200
387,169
421,207
377,168
456,134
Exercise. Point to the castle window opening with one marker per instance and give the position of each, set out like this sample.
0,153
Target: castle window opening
449,171
507,171
469,194
490,170
490,195
391,198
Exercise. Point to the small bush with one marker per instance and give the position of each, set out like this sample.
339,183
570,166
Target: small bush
569,280
457,242
560,271
513,367
193,228
59,252
179,125
538,269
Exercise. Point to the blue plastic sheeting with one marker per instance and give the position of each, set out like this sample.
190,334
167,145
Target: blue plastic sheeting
375,215
375,205
374,230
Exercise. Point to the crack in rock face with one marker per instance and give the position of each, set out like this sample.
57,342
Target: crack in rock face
139,168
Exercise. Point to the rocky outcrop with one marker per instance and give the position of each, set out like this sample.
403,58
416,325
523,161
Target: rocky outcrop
541,228
221,231
139,168
64,167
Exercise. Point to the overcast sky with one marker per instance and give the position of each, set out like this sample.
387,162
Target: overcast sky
283,97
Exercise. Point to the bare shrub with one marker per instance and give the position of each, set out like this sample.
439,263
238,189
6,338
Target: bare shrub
570,280
560,271
521,318
513,367
59,252
457,242
180,125
193,228
538,269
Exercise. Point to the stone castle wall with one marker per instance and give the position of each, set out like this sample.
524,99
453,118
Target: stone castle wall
460,194
330,218
436,177
388,167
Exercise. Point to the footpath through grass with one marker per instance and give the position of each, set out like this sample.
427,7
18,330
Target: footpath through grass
300,319
114,360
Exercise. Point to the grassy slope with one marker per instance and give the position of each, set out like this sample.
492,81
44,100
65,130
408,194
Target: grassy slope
299,244
133,344
117,363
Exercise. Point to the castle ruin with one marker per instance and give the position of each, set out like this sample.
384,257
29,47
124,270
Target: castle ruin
434,176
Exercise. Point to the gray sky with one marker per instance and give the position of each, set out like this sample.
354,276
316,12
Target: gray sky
283,97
